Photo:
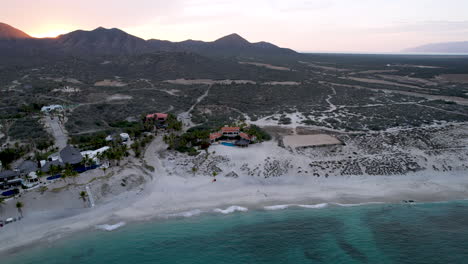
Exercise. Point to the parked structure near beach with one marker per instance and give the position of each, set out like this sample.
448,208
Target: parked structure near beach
68,155
27,167
71,155
93,154
230,131
233,133
9,179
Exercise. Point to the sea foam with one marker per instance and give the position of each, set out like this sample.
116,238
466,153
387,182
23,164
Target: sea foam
107,227
231,209
358,204
277,207
286,206
190,213
313,206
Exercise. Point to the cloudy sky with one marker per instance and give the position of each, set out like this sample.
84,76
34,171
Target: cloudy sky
304,25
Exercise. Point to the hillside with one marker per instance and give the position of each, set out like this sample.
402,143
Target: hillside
232,45
100,41
8,32
115,42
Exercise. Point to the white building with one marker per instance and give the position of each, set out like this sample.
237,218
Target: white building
49,108
124,136
92,154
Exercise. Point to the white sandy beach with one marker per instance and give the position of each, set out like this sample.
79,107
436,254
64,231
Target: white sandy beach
173,191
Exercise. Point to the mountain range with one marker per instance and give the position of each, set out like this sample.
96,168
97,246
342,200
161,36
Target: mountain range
447,47
102,41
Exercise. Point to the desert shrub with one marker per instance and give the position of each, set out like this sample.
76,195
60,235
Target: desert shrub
261,134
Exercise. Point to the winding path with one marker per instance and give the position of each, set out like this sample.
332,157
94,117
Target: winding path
186,117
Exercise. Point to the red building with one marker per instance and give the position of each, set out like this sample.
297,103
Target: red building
230,131
157,116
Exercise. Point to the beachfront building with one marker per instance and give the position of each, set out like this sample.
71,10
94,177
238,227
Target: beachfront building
71,155
230,132
68,155
31,180
27,167
48,164
233,133
94,154
215,137
247,137
9,179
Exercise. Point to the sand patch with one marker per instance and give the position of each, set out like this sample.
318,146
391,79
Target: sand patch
414,66
456,99
377,71
408,79
367,80
458,78
173,92
116,97
327,68
208,81
281,83
269,66
111,83
61,79
298,141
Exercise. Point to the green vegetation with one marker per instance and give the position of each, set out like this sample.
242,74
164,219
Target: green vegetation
8,155
89,141
116,153
83,195
140,144
256,131
187,141
19,206
29,130
173,123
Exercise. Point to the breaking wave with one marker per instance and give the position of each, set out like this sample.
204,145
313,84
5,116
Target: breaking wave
190,213
277,207
357,204
231,209
313,206
107,227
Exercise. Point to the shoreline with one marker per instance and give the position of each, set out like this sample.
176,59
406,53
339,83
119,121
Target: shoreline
261,175
312,196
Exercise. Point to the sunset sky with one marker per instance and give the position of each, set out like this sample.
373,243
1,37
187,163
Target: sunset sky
303,25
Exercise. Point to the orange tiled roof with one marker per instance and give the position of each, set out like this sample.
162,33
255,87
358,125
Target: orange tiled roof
156,115
230,129
245,136
215,136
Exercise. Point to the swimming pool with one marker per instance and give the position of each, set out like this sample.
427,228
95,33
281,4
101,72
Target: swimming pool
228,144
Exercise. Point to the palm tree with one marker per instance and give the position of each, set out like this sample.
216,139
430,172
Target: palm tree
83,196
69,172
19,206
2,201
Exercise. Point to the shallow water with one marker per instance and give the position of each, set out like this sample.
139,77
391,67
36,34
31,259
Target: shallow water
379,233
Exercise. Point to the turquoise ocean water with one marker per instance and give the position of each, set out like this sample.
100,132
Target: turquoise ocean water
383,233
